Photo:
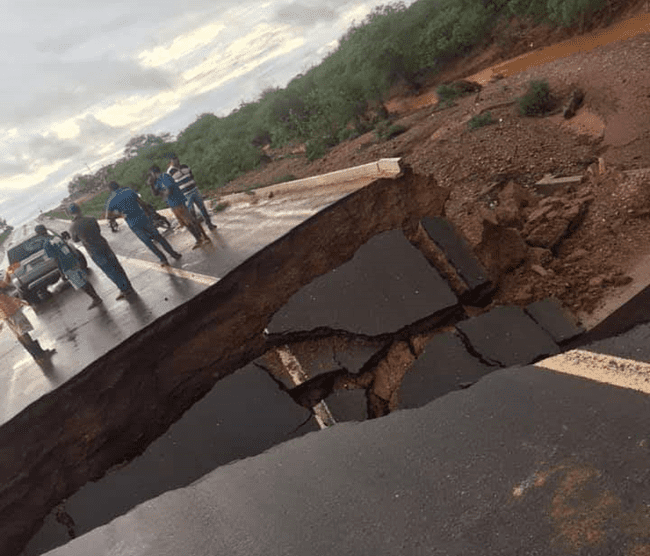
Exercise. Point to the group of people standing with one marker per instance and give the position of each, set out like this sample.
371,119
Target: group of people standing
176,186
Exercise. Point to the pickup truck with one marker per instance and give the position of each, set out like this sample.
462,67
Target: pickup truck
37,270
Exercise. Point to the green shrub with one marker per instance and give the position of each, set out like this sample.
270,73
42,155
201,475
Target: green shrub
343,96
4,235
285,178
570,12
447,94
347,133
480,120
220,206
386,131
537,100
318,147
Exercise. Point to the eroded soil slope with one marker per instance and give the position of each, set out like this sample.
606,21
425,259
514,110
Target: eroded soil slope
577,243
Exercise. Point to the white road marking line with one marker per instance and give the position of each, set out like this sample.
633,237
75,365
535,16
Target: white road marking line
600,367
200,278
323,415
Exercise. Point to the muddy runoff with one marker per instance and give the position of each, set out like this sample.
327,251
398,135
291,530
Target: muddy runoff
111,411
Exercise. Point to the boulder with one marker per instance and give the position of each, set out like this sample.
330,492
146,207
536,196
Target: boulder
513,199
554,219
574,102
501,248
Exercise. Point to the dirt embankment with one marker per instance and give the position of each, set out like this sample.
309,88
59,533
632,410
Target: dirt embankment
589,262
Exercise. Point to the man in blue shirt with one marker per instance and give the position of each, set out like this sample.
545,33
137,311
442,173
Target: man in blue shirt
69,265
163,184
126,202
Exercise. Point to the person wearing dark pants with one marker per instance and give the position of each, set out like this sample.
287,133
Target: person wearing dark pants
182,175
126,202
163,184
69,265
86,230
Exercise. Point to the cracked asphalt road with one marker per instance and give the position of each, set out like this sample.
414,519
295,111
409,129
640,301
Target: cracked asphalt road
81,336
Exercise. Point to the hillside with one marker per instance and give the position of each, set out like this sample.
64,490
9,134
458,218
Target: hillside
581,243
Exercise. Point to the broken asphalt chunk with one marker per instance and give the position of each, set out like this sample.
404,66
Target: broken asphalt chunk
444,366
460,255
555,319
348,405
507,336
387,285
243,415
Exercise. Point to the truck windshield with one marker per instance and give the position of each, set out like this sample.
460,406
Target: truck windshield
25,249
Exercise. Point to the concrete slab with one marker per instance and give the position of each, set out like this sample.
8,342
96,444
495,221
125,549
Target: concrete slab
555,319
444,366
383,168
527,461
386,286
460,255
550,179
245,414
507,336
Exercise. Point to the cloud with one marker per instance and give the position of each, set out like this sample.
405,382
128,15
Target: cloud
246,53
183,45
93,130
49,148
62,89
305,16
13,167
82,76
62,43
22,208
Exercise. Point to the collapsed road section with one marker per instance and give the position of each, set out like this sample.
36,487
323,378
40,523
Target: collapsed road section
348,345
120,403
348,274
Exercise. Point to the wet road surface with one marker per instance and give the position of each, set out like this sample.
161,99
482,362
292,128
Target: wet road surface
80,336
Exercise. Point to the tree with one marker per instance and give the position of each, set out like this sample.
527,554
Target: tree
78,184
140,142
569,12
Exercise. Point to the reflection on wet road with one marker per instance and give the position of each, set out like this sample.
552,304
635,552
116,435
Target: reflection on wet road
80,336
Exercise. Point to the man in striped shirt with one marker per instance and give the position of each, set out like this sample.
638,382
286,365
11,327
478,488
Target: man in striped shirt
182,175
163,184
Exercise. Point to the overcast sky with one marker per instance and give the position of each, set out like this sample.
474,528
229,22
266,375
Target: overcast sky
80,77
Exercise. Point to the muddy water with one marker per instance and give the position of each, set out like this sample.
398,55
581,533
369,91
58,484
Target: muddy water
621,31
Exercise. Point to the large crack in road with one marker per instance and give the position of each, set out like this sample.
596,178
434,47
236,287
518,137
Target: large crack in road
370,298
120,403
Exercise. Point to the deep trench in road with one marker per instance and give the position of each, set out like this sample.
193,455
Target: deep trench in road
340,319
241,357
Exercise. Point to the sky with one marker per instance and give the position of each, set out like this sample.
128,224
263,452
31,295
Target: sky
81,77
